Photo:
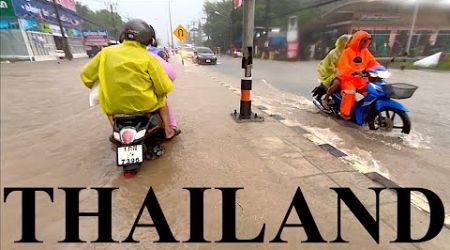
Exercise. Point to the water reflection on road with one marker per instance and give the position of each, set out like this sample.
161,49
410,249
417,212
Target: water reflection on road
417,159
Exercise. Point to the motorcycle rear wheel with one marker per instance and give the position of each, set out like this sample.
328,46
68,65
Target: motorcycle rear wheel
388,121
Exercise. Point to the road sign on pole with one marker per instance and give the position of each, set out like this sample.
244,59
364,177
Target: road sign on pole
180,32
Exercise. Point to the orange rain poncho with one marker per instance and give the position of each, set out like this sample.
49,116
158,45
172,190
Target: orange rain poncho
131,80
346,66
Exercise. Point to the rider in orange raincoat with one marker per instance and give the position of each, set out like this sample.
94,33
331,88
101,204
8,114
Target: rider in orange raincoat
354,59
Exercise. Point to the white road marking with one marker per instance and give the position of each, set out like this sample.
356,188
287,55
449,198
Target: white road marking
416,200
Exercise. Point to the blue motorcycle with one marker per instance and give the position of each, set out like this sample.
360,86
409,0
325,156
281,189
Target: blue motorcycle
377,107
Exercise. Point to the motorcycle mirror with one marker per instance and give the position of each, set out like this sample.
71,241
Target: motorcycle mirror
357,59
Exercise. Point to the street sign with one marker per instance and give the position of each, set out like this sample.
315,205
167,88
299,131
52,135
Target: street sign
180,32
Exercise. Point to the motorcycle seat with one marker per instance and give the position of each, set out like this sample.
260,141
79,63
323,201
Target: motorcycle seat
137,116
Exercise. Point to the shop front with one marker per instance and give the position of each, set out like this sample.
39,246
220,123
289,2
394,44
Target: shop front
389,23
40,35
12,41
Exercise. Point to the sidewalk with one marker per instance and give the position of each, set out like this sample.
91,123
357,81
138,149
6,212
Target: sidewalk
269,160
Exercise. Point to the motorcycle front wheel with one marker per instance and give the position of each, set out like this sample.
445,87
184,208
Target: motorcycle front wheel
389,119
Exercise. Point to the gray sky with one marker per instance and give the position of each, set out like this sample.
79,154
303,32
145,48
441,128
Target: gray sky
156,12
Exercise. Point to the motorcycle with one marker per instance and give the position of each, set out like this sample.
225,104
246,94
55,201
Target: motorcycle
164,55
377,108
137,138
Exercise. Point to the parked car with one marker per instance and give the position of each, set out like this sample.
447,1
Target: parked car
60,53
178,50
204,55
187,52
236,53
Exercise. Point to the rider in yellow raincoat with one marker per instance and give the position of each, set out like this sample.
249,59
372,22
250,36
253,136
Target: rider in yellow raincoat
130,79
327,67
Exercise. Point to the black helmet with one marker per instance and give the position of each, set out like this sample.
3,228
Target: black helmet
138,30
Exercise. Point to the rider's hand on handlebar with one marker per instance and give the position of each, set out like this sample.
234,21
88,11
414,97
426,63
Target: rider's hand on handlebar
362,73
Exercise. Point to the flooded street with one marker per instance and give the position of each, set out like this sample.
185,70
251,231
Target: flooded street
418,159
50,137
198,130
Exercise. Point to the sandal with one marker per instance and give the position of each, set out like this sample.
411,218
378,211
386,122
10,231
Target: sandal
176,132
325,104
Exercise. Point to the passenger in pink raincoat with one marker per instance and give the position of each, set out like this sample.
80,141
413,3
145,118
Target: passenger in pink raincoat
172,75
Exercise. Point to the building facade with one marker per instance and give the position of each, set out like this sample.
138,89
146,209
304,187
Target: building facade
29,29
389,22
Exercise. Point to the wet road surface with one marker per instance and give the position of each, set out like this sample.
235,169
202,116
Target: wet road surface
420,159
51,138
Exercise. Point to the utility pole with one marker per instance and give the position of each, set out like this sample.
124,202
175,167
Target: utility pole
112,7
245,113
193,30
208,43
199,28
267,16
168,35
411,31
66,47
231,26
171,29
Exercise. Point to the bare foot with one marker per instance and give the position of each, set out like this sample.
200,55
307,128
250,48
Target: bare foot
169,133
172,133
325,103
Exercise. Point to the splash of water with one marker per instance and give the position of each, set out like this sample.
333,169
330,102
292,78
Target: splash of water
416,140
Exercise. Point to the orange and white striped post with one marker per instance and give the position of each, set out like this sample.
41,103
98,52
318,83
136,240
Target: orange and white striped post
245,113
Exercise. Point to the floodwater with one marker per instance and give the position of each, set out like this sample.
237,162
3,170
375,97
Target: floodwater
51,138
419,159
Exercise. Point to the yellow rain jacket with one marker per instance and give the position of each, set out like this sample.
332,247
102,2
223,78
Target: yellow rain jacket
327,67
130,79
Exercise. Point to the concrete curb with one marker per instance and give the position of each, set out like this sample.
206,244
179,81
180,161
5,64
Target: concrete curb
416,200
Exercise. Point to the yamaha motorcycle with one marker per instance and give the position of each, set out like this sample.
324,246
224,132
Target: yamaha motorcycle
377,108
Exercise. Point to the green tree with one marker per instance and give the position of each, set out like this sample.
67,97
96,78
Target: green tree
268,13
100,19
223,25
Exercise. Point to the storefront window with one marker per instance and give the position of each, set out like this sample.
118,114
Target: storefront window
42,44
12,44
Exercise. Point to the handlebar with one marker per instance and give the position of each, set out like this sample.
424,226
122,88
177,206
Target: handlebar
364,73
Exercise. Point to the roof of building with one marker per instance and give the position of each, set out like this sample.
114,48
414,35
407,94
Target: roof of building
431,14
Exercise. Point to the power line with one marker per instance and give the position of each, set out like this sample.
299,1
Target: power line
66,48
320,4
89,21
113,9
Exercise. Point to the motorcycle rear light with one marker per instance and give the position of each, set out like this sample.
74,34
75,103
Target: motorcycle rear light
127,135
129,174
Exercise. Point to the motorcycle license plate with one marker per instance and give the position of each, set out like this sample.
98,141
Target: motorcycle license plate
130,155
208,60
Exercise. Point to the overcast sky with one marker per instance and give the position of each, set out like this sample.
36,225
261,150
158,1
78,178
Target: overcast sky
156,12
